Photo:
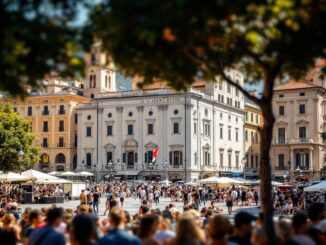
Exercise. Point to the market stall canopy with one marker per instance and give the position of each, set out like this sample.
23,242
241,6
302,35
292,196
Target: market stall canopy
37,175
68,174
54,173
10,176
219,180
85,173
165,182
321,187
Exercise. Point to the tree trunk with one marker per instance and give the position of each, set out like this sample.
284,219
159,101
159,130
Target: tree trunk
265,165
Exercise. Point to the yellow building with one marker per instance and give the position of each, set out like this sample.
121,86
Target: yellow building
51,112
253,121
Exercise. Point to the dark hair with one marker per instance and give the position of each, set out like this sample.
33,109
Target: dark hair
146,225
145,209
34,215
315,211
84,228
298,220
53,214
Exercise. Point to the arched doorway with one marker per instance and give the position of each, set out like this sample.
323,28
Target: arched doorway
60,158
74,162
44,164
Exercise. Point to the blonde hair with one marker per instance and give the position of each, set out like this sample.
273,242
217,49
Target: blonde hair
187,231
9,219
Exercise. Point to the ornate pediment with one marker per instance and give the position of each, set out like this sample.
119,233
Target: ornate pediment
109,146
150,146
130,142
281,122
302,121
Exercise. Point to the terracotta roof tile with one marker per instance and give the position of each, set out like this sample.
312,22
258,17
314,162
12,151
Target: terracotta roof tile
294,85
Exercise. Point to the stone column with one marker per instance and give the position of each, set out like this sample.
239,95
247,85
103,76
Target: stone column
100,133
80,152
292,111
118,153
163,144
140,150
188,140
310,158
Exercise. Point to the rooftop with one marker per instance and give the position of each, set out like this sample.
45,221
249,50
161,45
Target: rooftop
294,85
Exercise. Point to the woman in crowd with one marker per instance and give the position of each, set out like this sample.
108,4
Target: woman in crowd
10,230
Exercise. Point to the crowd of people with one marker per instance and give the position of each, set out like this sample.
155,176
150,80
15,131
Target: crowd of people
200,221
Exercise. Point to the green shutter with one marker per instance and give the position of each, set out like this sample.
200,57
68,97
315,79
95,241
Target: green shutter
170,154
181,160
145,157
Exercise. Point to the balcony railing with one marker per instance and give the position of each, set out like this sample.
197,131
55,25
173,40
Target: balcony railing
62,112
281,168
298,141
45,113
61,144
45,145
45,129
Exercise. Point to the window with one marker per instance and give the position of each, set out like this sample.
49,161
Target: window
176,158
150,113
251,117
281,135
237,159
281,160
257,120
76,118
281,96
148,156
236,92
109,130
281,110
302,94
150,128
130,129
61,126
45,142
88,131
45,126
236,134
175,128
229,88
195,128
257,161
88,160
302,133
62,110
229,158
207,158
29,111
246,136
89,117
252,137
252,161
109,115
229,133
109,156
220,85
175,112
221,159
60,158
207,129
45,110
302,109
221,131
61,142
130,114
75,140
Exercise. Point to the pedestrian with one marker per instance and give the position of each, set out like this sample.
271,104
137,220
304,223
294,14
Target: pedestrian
83,197
122,197
242,228
256,197
229,202
83,230
96,201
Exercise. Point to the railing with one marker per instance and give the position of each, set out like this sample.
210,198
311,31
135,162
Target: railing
281,168
45,130
297,141
61,144
45,145
208,167
62,112
45,113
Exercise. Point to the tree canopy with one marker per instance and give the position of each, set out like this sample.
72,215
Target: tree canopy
15,135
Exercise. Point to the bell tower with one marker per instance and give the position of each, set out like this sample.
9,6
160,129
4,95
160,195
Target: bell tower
100,74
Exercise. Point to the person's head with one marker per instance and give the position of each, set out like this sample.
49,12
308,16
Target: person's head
243,224
35,217
218,228
299,223
83,229
117,217
187,231
258,236
55,216
9,219
148,226
316,212
83,209
143,210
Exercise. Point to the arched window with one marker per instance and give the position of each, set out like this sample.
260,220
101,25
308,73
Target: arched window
93,58
88,159
60,158
94,81
44,158
106,81
90,80
109,82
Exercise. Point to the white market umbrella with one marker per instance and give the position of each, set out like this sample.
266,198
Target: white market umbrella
37,175
10,176
274,183
85,173
219,180
321,187
53,181
54,173
165,182
68,174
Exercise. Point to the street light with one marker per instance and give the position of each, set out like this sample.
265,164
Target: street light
110,166
284,176
166,165
20,156
150,166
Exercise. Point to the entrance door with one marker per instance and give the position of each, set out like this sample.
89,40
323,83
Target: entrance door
130,160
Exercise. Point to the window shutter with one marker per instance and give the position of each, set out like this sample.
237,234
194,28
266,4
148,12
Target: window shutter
170,154
145,157
124,157
136,157
181,160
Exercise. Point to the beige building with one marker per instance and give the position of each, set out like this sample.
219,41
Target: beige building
300,112
253,121
53,120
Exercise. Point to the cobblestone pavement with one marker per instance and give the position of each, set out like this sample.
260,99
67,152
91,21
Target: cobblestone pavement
132,205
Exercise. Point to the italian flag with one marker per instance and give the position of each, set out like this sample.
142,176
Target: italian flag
155,154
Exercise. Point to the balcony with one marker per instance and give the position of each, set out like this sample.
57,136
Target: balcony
45,113
62,112
280,141
281,168
208,167
45,130
297,141
61,144
45,145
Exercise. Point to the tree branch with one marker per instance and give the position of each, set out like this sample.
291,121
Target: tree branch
221,71
230,81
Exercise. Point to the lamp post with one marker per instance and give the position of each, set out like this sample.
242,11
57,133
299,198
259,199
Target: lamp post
110,166
150,166
95,172
284,176
20,156
289,164
166,165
